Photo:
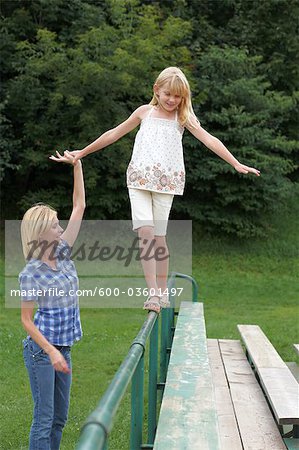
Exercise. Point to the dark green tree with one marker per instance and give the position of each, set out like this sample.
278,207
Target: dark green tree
64,96
234,101
71,70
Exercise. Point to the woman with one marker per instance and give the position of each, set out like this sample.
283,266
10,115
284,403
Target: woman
50,280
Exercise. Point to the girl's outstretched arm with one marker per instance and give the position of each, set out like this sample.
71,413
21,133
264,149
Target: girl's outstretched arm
71,232
114,134
219,148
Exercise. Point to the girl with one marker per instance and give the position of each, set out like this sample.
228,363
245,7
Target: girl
156,171
50,279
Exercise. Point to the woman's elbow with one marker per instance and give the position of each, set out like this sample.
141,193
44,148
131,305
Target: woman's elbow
79,207
26,322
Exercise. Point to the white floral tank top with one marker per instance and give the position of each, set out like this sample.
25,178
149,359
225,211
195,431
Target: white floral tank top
157,162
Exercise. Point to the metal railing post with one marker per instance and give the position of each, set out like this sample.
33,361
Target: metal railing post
174,275
163,346
152,384
137,406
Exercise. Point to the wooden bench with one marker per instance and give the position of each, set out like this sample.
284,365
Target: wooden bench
279,384
277,380
212,399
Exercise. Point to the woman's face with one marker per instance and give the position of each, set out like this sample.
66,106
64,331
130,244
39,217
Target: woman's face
53,233
167,99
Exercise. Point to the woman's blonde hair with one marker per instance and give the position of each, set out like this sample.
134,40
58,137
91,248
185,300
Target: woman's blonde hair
36,221
177,83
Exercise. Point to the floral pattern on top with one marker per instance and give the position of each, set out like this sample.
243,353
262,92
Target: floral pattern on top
155,178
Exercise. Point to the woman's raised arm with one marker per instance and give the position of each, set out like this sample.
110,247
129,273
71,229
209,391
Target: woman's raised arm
71,232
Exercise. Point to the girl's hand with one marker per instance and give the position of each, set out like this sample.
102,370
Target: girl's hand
241,168
58,361
66,158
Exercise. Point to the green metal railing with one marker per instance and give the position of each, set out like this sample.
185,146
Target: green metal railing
96,429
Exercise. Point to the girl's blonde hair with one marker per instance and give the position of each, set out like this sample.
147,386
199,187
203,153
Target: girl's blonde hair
177,84
36,221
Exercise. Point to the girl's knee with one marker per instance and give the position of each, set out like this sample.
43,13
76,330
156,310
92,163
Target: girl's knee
146,233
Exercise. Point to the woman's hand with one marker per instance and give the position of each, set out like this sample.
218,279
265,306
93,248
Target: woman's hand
58,361
67,158
241,168
78,154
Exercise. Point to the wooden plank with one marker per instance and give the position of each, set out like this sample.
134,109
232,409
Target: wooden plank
296,347
282,389
188,418
294,368
259,347
228,428
278,382
257,427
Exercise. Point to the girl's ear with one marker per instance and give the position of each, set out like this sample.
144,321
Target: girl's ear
156,90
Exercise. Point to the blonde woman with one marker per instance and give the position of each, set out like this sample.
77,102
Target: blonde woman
156,171
49,280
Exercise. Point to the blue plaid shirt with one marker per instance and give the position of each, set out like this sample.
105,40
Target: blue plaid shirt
54,290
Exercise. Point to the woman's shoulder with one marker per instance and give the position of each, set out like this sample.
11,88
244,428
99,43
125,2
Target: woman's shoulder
30,270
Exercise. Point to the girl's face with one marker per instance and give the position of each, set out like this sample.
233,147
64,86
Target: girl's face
54,233
167,99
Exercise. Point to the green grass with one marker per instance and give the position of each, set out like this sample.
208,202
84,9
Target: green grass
265,295
107,336
253,281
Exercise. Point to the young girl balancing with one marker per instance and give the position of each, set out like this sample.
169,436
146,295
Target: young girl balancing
156,171
50,280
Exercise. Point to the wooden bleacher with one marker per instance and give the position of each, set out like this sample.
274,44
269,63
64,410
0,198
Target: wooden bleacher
212,398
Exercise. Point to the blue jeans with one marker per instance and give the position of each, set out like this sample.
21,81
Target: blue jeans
50,392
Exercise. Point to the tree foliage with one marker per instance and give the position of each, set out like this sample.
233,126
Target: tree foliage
72,70
236,103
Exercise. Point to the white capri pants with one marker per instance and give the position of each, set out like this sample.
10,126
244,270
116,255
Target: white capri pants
150,209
